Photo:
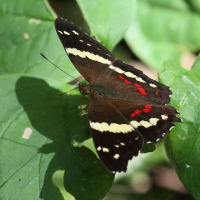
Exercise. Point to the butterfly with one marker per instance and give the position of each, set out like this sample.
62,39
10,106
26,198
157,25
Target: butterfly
127,109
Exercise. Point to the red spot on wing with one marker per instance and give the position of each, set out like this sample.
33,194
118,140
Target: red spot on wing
137,112
132,114
137,85
148,106
142,91
146,109
121,77
157,93
126,81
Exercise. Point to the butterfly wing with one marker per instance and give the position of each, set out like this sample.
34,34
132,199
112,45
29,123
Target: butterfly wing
127,109
88,56
121,123
116,141
141,100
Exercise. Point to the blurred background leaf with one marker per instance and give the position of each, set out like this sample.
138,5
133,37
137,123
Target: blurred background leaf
163,30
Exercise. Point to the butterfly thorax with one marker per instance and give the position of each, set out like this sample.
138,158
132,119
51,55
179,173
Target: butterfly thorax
93,89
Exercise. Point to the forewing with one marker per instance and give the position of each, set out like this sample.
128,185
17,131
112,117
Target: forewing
89,56
134,84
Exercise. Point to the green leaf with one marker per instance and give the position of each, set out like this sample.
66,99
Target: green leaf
148,148
183,142
108,21
170,4
195,5
29,105
150,52
163,31
195,68
87,182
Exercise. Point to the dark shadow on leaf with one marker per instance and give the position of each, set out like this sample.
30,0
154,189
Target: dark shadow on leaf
54,119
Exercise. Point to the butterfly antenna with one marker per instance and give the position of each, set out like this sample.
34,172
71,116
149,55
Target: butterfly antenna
58,67
66,92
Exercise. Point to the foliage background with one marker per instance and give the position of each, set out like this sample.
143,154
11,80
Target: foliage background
153,31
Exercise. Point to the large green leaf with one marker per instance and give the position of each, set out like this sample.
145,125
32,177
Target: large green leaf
108,20
163,31
29,105
195,5
183,143
170,4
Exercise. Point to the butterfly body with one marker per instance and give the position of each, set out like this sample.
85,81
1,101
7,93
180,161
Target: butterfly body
127,109
92,90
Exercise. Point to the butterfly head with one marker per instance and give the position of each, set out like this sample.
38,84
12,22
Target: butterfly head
84,89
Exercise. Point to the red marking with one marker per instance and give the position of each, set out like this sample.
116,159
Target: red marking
157,93
137,85
148,106
126,81
121,77
142,91
132,114
137,112
164,109
146,110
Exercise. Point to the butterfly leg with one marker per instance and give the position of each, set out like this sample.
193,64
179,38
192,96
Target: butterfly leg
81,107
